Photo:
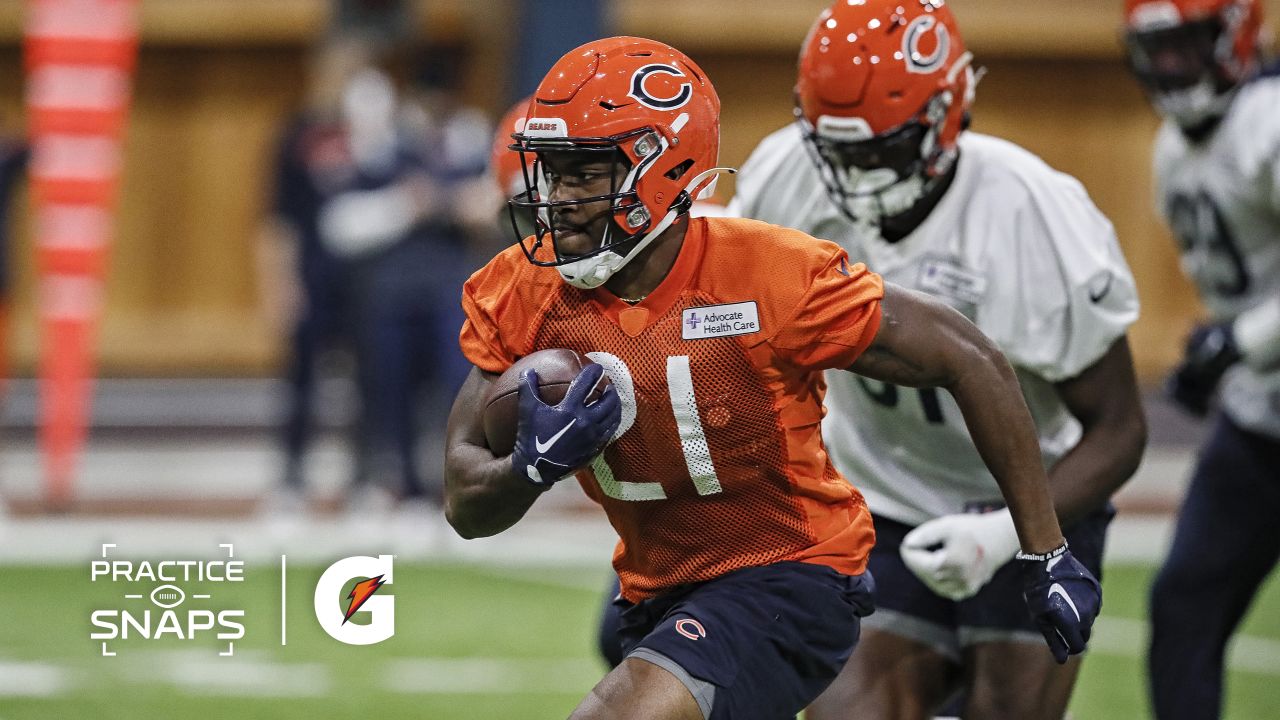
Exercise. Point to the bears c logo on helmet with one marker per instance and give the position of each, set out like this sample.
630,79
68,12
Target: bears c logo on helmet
918,62
638,91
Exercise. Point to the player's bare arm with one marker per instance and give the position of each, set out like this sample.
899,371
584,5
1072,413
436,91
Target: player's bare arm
924,343
481,494
1105,399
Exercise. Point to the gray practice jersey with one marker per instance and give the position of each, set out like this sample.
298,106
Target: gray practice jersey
1221,198
1014,245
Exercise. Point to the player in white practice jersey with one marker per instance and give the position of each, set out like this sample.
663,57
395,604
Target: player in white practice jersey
879,162
1217,170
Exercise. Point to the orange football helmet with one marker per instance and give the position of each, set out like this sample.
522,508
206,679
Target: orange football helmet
1191,55
650,107
883,92
506,167
504,163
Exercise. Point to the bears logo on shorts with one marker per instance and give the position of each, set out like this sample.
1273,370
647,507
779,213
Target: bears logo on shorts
690,628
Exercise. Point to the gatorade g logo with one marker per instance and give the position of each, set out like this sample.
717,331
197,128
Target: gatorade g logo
334,609
672,101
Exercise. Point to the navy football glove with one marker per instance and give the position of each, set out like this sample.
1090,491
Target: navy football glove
1211,350
1063,597
554,441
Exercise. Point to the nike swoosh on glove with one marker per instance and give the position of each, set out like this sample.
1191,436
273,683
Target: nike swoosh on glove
955,555
553,441
1064,599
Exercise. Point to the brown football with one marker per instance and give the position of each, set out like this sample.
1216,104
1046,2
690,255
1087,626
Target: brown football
556,369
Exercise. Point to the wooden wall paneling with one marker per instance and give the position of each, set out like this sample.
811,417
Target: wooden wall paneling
181,294
1039,28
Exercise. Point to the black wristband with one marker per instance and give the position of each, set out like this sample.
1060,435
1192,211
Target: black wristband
1041,557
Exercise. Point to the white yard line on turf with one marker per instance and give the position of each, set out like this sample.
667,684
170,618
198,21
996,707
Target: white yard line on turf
490,676
215,676
32,679
1126,637
546,539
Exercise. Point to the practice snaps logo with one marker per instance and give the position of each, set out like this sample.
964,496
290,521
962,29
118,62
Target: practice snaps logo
166,610
334,610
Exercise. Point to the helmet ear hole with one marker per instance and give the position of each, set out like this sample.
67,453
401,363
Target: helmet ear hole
678,171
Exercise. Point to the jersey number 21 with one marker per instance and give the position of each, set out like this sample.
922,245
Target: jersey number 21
693,440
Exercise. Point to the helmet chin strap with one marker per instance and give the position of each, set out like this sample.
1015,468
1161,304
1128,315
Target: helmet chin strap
593,271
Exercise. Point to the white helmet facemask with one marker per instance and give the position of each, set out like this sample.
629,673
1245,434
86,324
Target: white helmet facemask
874,194
1184,65
1194,105
898,168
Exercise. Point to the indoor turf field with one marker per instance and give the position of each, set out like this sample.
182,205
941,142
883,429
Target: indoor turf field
472,641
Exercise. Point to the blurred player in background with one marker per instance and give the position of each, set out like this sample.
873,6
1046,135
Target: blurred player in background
879,161
1217,171
742,550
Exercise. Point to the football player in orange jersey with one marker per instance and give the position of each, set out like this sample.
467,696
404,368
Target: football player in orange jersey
742,551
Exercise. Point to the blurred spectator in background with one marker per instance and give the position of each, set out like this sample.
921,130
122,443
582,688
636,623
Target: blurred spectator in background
13,160
299,276
454,138
382,210
341,145
386,22
408,310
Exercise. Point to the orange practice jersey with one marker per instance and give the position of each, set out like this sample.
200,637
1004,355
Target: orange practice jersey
721,464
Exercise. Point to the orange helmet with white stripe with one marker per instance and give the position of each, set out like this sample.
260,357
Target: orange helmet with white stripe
1191,55
883,93
643,103
504,163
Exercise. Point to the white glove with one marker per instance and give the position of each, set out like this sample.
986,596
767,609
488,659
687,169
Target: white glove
955,555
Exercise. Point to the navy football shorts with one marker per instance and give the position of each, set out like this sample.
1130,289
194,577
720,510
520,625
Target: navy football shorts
756,643
997,613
